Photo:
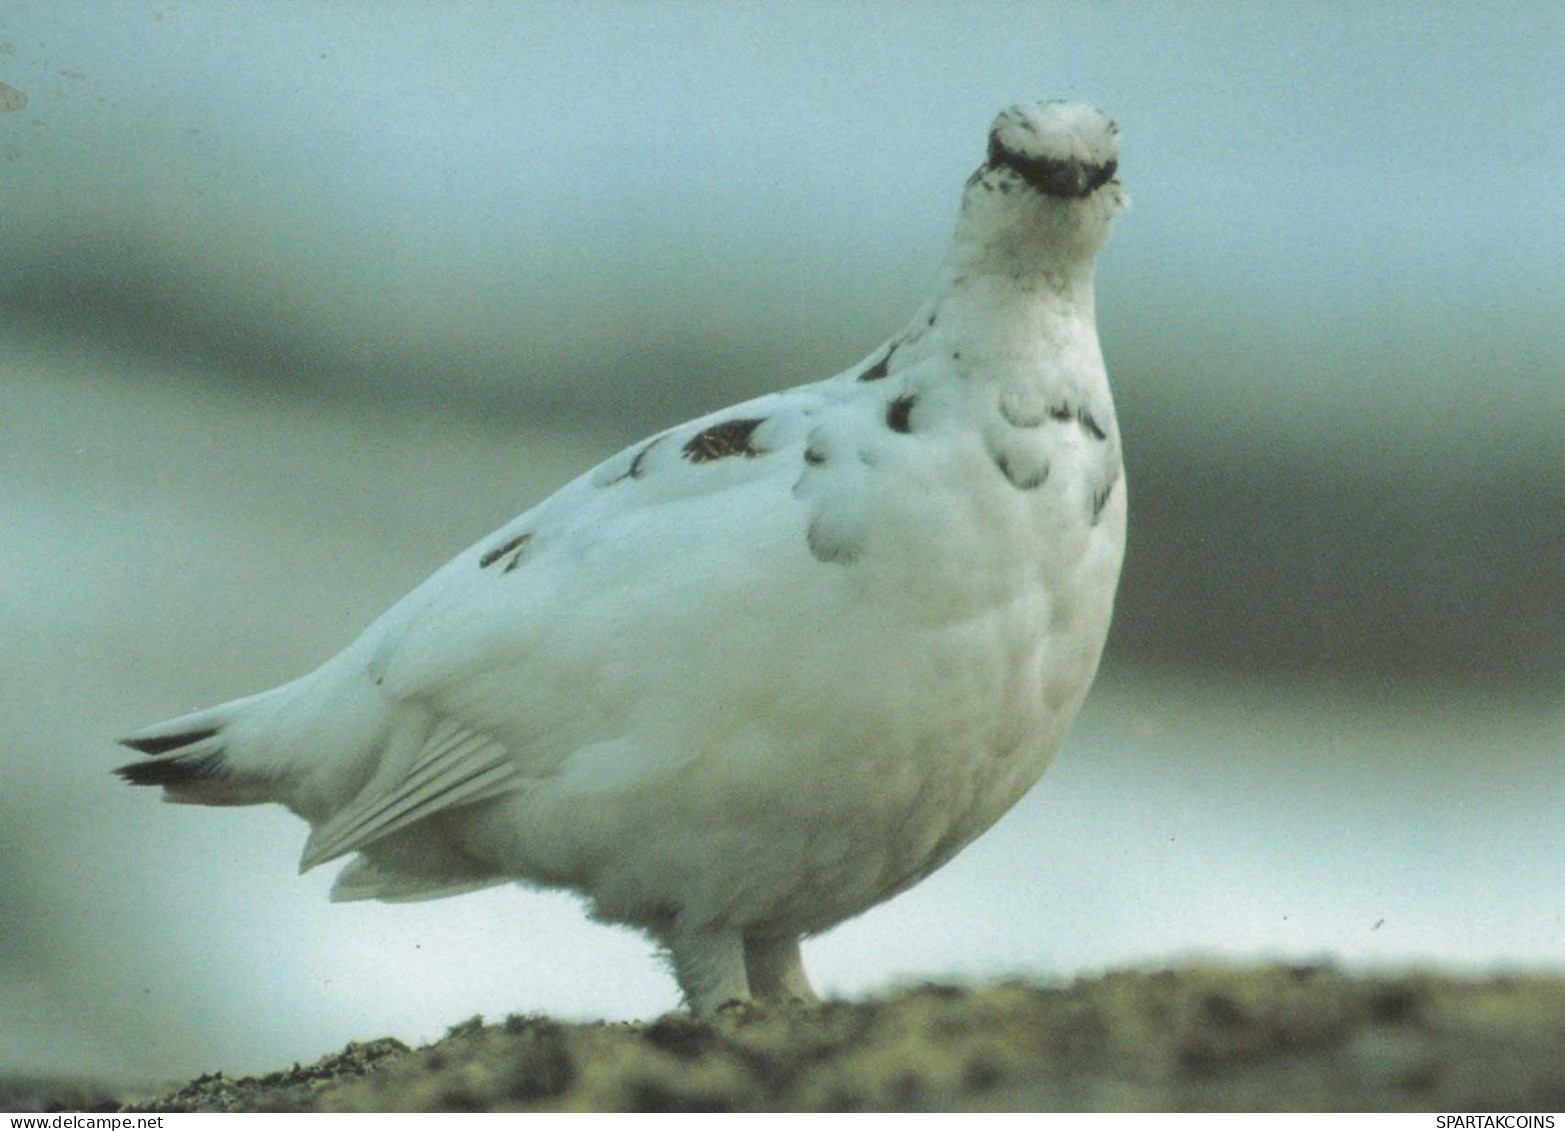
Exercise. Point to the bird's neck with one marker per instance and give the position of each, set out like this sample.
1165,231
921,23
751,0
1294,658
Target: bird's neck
1035,329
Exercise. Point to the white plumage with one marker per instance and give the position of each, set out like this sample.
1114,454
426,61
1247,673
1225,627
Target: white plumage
754,675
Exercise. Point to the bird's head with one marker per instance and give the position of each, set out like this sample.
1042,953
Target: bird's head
1046,198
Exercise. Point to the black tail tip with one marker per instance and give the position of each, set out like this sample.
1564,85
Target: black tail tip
163,743
172,771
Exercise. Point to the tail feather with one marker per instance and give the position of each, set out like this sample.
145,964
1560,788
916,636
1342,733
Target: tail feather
189,760
310,745
159,742
175,769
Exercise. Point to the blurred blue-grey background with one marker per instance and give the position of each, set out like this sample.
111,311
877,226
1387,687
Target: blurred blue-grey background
299,299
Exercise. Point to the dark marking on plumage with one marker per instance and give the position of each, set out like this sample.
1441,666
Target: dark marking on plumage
1100,499
1092,427
930,321
899,414
513,546
172,771
814,456
638,465
1022,481
163,743
1017,418
1061,412
719,441
880,368
825,548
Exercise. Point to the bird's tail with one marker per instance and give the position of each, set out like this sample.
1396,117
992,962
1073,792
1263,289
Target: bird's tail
193,758
310,745
232,754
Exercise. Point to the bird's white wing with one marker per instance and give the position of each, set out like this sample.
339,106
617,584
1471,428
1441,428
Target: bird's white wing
451,765
535,646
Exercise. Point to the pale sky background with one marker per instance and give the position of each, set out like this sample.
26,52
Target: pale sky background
297,300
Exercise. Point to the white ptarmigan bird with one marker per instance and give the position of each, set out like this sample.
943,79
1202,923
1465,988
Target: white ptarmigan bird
763,670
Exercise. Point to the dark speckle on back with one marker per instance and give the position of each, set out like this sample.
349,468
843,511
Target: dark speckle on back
830,542
1024,475
1100,499
1089,424
637,465
496,552
1020,416
719,441
513,546
880,368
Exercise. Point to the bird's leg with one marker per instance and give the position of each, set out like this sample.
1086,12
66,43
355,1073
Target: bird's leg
776,969
709,966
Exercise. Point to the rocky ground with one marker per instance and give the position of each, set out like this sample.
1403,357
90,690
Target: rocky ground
1198,1038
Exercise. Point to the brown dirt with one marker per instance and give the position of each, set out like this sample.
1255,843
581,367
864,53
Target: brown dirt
1201,1038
